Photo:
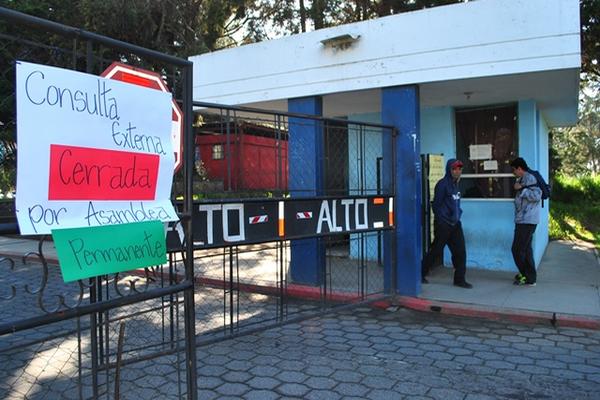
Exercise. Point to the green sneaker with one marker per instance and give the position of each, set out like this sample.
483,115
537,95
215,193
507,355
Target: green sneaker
520,280
524,282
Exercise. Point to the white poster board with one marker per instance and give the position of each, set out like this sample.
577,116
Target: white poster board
490,165
480,152
91,151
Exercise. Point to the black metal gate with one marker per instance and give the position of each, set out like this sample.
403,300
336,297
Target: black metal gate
244,156
134,335
116,336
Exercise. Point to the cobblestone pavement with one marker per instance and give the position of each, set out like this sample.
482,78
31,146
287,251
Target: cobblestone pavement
355,354
373,354
360,353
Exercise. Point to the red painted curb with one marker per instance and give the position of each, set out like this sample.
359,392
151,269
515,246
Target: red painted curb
424,305
498,314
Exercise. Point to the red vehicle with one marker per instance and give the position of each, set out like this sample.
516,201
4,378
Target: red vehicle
254,158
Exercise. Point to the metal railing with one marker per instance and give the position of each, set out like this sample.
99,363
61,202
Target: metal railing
42,307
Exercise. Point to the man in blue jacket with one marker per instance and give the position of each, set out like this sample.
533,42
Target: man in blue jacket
527,216
447,226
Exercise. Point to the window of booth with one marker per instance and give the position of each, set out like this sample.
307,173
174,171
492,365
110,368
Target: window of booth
217,152
486,142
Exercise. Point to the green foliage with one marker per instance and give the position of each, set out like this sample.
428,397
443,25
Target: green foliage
576,150
590,38
569,189
575,209
285,17
177,27
577,221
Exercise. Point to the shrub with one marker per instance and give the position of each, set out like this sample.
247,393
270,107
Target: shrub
575,211
568,189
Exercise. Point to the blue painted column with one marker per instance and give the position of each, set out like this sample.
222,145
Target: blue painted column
533,147
528,137
402,251
305,155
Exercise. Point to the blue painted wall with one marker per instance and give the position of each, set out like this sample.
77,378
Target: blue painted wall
541,235
306,180
437,131
533,147
373,148
400,107
489,224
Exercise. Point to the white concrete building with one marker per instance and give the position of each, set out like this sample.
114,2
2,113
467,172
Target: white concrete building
475,73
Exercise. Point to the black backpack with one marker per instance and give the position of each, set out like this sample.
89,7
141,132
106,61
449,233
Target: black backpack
541,183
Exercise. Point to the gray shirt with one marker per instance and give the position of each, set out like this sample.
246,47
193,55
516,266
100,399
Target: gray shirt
527,201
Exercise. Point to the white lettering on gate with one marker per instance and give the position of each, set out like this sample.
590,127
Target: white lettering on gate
226,209
209,208
365,223
336,228
346,203
324,216
361,217
239,207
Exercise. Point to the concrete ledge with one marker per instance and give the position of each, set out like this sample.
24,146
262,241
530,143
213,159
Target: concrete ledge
424,305
498,314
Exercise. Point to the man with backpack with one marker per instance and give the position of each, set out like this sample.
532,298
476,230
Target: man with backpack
527,216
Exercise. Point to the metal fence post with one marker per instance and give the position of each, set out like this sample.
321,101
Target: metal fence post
188,296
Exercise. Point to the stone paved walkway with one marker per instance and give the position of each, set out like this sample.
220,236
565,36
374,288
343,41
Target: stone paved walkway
371,354
356,354
360,353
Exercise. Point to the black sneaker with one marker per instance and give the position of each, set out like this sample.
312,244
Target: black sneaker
518,277
464,285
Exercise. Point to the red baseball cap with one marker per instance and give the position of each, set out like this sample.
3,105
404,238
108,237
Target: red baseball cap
456,164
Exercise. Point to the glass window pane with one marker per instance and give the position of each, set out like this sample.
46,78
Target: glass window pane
487,188
217,152
486,142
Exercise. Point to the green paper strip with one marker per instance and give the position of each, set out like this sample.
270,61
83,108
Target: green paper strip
93,251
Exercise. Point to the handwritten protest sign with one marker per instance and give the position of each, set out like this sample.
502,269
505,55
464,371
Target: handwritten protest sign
92,151
93,251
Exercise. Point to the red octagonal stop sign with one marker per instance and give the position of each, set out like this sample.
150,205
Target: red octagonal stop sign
149,79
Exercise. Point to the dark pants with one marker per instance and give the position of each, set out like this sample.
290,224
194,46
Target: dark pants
455,239
523,252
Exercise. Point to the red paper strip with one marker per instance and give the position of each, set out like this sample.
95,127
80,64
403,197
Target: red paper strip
83,173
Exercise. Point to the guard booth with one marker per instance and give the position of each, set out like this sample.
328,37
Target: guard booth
481,81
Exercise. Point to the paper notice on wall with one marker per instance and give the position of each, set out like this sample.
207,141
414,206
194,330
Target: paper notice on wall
436,170
92,151
490,165
480,151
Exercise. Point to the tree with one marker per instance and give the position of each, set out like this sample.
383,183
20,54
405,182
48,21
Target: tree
177,27
269,19
590,39
578,148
